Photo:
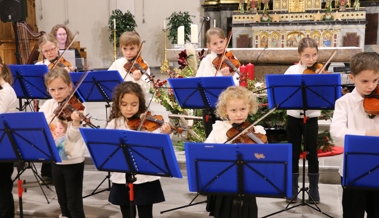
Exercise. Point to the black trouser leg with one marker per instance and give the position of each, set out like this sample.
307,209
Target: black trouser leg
6,185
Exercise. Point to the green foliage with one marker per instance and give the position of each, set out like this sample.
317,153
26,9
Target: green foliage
124,22
175,20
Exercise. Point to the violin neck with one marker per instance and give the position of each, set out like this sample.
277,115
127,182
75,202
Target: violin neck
153,119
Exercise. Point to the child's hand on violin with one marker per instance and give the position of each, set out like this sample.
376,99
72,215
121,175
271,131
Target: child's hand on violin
137,75
225,72
166,128
76,118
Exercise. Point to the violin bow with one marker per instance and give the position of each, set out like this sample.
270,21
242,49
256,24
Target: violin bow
60,56
323,68
135,58
223,55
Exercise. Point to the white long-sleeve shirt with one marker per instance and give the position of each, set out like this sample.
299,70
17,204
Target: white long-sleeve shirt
74,144
206,68
218,134
119,178
349,117
299,69
143,82
8,99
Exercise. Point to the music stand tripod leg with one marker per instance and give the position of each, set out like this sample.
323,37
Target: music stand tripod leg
94,192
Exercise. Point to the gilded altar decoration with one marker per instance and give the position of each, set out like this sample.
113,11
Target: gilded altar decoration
256,18
266,17
293,39
275,43
317,17
296,6
337,16
263,40
275,18
316,35
327,38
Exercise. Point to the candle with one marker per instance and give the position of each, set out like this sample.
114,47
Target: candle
214,23
194,32
250,71
164,24
243,77
114,23
181,35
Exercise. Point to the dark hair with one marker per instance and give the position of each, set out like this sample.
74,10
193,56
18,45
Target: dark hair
364,61
6,72
120,91
70,36
306,43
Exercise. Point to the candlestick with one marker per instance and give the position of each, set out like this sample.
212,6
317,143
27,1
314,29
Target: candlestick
165,65
114,44
181,35
194,32
114,23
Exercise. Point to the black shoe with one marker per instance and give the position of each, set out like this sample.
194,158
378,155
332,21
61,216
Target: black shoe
46,180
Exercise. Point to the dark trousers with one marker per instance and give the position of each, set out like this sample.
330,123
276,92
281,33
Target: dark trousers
356,202
295,134
209,118
46,169
68,182
144,211
6,185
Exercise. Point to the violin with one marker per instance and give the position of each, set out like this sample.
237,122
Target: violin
137,64
70,105
227,60
312,69
247,138
60,62
319,66
371,103
150,123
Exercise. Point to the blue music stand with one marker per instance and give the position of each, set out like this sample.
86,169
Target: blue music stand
26,137
131,152
303,92
361,165
29,83
239,169
199,92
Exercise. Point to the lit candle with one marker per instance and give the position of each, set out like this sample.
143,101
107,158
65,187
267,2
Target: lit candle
214,23
194,33
114,23
181,35
164,24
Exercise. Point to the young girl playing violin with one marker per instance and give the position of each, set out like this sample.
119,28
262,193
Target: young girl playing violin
234,106
216,42
350,117
68,174
130,44
48,46
308,54
129,102
8,103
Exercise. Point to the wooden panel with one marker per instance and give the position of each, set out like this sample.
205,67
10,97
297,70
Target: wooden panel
371,29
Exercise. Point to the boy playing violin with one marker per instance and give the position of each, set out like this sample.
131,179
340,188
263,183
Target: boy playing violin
130,45
349,117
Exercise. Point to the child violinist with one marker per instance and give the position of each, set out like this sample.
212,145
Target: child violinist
129,102
234,106
8,103
349,117
68,174
130,45
48,46
216,42
308,54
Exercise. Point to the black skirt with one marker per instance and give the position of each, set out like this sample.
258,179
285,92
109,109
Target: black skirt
229,206
144,194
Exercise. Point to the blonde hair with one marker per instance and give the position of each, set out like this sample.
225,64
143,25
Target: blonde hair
129,38
6,72
57,73
70,36
45,39
232,93
364,61
215,31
